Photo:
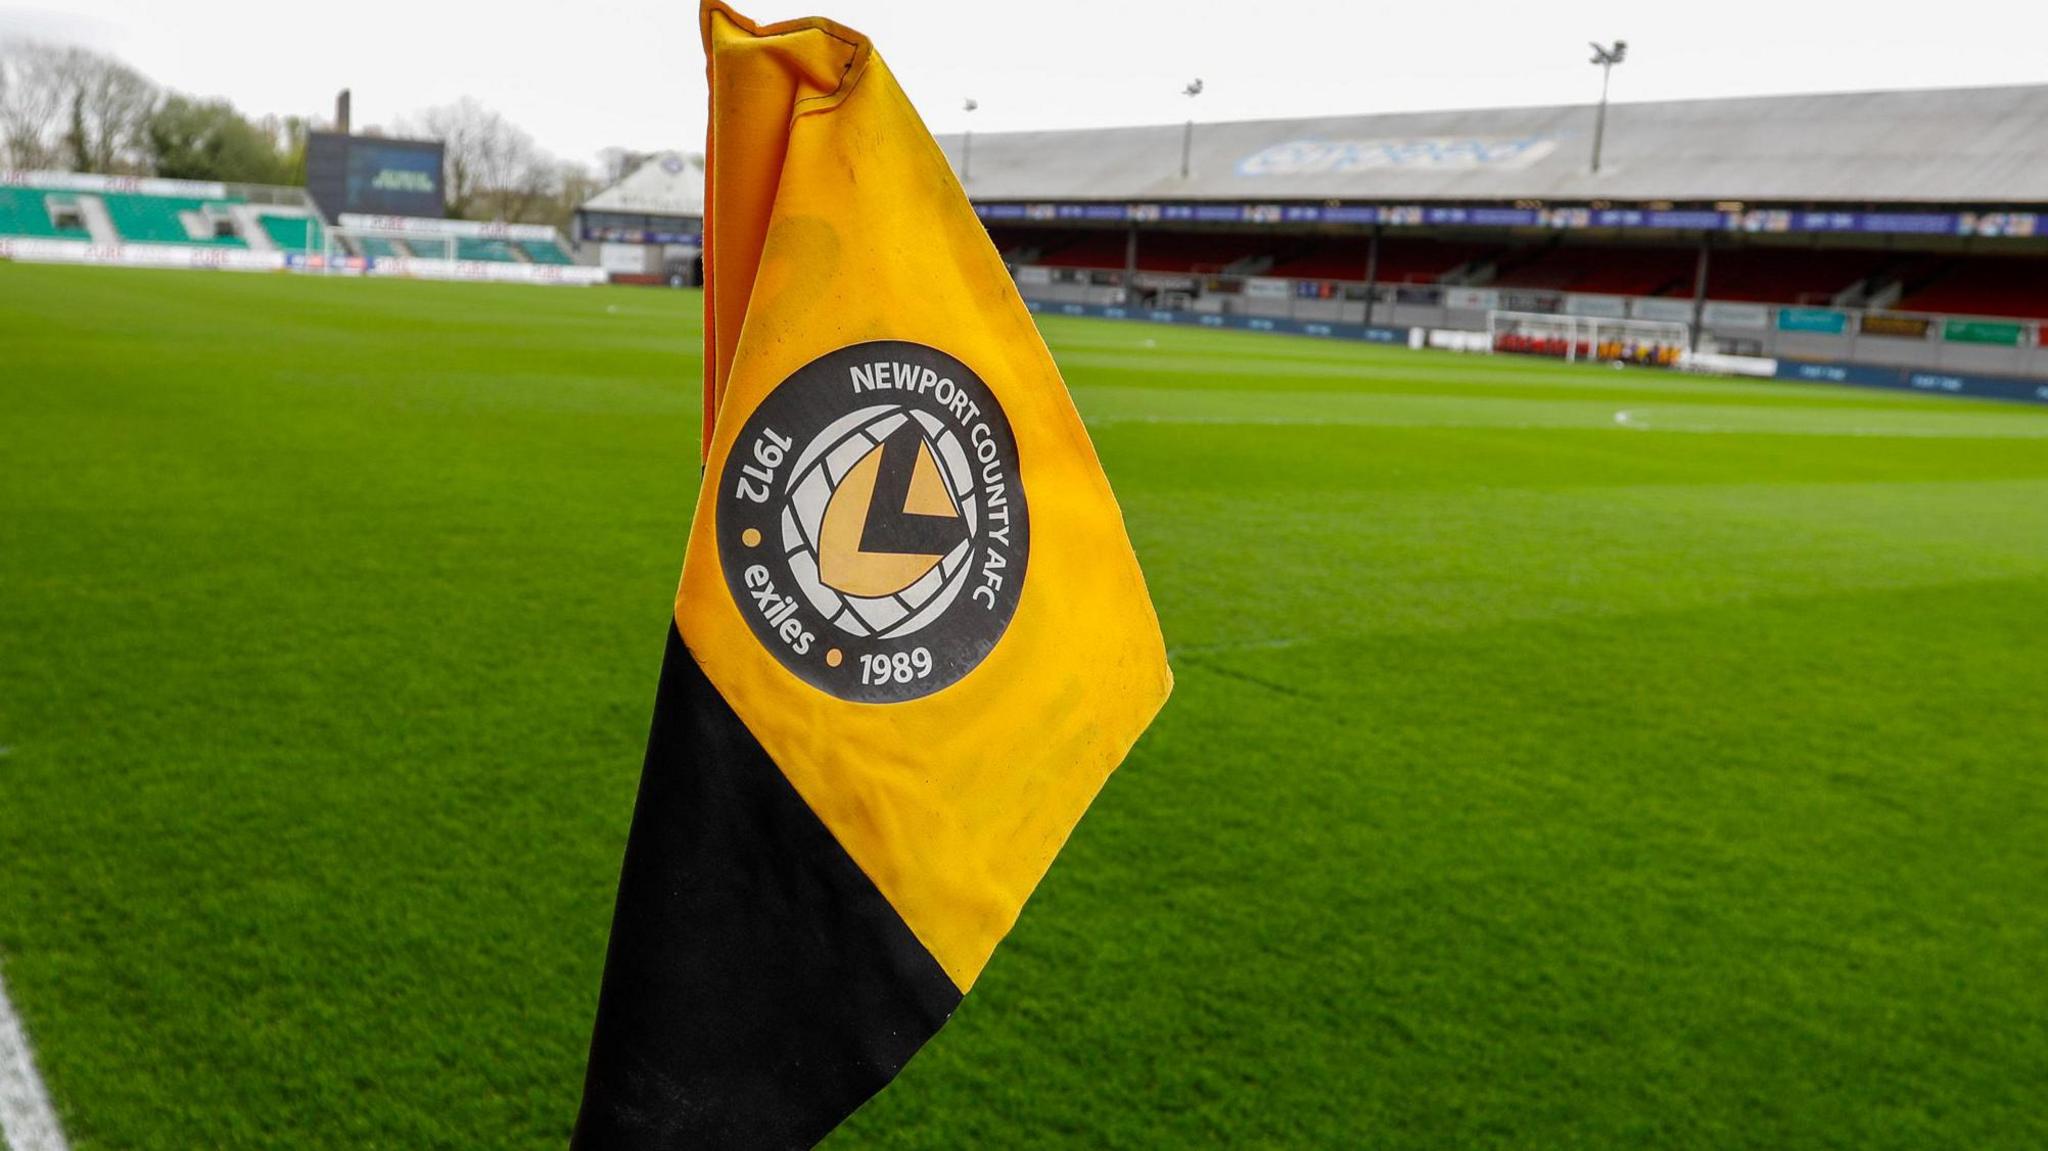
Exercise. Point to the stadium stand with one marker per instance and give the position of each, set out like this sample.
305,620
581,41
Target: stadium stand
1105,250
410,245
293,233
469,248
1401,261
145,219
27,212
1618,270
545,252
1200,253
384,238
1775,275
79,218
1900,202
436,246
1765,225
1019,245
117,211
1983,286
1189,252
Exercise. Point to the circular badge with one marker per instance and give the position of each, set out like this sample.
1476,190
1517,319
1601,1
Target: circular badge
871,523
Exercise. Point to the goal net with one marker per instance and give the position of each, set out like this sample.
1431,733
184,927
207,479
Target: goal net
1659,343
369,244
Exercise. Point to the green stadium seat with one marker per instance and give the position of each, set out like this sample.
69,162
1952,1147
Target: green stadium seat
25,212
142,219
494,251
378,248
293,233
544,252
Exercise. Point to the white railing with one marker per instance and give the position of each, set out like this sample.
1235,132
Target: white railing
1264,292
467,229
92,183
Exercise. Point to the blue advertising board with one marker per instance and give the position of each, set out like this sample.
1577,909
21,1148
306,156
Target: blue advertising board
1801,371
1915,380
1563,217
1369,333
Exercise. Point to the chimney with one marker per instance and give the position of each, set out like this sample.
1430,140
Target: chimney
341,112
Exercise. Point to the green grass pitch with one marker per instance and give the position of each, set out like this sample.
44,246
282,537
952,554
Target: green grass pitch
1562,756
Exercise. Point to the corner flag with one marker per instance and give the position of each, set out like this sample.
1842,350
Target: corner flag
911,639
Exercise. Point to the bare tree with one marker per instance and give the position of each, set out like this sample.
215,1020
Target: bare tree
493,167
575,183
616,163
72,108
107,113
31,104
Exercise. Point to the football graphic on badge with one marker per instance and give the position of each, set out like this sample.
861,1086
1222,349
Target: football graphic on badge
871,522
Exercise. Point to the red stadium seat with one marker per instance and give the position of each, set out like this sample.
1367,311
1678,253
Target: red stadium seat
1791,275
1619,270
1983,286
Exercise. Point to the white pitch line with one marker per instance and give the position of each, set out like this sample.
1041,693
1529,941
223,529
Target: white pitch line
27,1122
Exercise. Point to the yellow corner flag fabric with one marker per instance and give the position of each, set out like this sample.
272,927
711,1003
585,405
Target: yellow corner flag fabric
911,641
955,798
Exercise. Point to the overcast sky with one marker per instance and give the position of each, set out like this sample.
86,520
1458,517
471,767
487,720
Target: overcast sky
581,76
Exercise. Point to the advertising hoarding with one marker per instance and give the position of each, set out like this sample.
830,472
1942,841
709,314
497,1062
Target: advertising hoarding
1902,327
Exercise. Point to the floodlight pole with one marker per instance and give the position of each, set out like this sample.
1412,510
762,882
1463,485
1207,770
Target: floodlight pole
1600,116
1187,132
1607,58
967,143
1372,272
1131,265
1699,286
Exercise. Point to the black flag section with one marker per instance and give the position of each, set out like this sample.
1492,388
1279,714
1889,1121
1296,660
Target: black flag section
745,938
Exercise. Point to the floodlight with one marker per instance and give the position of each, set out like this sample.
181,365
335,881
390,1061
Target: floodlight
1605,58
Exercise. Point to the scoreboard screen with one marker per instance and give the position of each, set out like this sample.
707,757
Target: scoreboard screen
374,176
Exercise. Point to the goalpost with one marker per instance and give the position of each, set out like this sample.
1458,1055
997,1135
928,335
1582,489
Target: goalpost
1658,343
343,243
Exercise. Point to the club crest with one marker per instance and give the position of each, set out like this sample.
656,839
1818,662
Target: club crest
871,523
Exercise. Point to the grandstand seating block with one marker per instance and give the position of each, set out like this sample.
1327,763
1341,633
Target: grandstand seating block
140,219
26,212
